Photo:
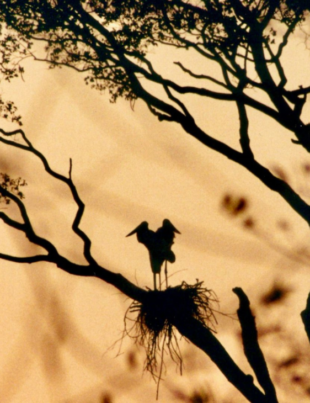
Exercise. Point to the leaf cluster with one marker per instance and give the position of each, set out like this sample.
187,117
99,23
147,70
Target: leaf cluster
8,111
10,185
13,48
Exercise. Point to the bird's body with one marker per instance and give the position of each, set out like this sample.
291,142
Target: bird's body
149,239
166,235
158,244
167,231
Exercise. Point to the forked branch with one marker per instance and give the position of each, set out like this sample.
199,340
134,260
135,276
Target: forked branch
66,180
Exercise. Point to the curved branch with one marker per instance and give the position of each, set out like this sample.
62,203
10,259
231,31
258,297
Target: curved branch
305,315
26,226
200,76
274,59
244,127
10,222
289,31
274,93
251,347
68,181
26,259
76,223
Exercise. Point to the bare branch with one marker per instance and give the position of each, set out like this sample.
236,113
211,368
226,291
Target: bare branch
300,91
27,259
276,60
26,226
305,315
68,181
10,222
77,220
251,347
244,127
177,101
200,76
286,36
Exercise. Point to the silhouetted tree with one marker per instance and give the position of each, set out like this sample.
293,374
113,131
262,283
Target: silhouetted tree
109,42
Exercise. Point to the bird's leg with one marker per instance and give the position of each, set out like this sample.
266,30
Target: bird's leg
166,273
154,277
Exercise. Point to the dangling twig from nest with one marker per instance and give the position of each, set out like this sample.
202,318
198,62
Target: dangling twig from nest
152,327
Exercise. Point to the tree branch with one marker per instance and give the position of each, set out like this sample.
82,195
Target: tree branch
77,220
274,59
200,76
26,259
207,342
305,315
26,226
287,34
244,135
251,347
68,181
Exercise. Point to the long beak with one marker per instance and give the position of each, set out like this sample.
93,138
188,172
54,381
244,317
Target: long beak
132,232
170,225
174,229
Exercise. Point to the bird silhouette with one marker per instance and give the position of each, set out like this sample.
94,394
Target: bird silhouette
166,235
158,245
144,234
148,238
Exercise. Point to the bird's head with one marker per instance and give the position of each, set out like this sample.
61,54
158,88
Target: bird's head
144,226
168,224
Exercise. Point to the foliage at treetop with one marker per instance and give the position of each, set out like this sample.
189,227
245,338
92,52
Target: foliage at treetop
110,43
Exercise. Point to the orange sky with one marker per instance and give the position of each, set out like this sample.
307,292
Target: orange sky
128,168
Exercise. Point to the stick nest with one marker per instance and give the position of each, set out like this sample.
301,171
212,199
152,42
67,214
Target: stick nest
152,321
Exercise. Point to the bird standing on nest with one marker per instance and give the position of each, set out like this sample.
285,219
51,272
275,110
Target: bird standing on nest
166,235
158,245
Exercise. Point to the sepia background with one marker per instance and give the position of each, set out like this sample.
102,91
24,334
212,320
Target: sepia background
61,334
